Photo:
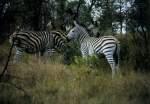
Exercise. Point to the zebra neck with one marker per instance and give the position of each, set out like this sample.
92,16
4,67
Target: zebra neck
82,38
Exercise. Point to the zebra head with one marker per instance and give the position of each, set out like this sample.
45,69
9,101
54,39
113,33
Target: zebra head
74,32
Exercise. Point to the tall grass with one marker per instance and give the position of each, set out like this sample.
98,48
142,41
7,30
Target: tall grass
54,83
37,82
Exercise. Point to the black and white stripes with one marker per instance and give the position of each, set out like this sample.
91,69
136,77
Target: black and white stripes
33,42
107,45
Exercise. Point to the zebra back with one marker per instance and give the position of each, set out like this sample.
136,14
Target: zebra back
30,41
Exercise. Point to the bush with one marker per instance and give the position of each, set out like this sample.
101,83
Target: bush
134,52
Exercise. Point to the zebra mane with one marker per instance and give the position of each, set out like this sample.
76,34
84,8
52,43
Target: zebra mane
83,26
84,29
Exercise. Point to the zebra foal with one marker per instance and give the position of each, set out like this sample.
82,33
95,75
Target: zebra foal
107,45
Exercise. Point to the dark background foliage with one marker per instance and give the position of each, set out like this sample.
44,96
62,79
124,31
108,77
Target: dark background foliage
112,18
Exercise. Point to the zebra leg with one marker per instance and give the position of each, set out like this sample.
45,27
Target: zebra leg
91,55
85,56
85,53
111,62
48,55
118,55
91,59
87,59
50,52
45,57
17,57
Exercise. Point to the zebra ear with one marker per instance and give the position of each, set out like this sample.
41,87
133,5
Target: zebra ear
75,23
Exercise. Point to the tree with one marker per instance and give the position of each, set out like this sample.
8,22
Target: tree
141,36
4,6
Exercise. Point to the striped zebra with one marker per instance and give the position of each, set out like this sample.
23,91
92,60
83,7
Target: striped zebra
42,41
107,45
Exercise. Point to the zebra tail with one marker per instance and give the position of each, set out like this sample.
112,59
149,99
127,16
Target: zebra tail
8,59
118,54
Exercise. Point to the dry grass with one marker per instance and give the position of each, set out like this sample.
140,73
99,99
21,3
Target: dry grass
35,82
75,84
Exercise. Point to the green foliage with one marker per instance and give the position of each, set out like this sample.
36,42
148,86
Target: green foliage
93,62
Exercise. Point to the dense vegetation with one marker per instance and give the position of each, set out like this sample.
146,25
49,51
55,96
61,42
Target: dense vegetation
36,82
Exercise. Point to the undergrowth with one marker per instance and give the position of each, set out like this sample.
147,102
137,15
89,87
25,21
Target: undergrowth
36,82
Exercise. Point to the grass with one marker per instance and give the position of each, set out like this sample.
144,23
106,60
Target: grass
46,83
35,82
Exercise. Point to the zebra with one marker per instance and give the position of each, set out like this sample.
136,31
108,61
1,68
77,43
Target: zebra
89,46
41,41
